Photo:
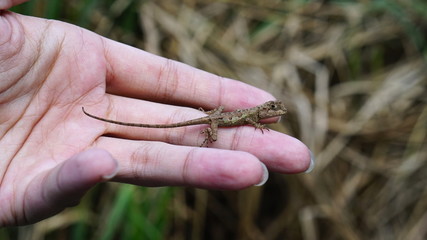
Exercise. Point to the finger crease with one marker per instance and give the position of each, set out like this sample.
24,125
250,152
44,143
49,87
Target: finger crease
186,166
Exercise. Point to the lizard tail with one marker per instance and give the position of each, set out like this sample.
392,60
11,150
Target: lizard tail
172,125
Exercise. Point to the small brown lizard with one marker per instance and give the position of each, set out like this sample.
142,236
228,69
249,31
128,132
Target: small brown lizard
216,118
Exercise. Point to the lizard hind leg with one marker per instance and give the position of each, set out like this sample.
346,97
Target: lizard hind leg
213,111
211,133
208,137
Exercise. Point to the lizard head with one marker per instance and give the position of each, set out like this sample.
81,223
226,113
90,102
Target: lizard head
272,109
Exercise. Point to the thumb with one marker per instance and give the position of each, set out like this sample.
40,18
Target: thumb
65,185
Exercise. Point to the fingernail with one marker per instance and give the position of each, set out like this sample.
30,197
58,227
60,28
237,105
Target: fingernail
312,163
264,175
113,173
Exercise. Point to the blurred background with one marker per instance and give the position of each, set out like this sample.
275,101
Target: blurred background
353,76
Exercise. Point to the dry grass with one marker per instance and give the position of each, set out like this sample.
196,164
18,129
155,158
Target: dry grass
355,82
360,108
354,78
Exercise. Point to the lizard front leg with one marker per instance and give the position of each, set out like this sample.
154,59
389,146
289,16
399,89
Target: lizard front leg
211,134
257,125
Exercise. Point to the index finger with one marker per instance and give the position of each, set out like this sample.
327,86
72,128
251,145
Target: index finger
139,74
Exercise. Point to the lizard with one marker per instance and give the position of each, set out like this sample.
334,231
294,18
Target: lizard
217,118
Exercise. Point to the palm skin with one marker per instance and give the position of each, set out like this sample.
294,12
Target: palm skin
52,154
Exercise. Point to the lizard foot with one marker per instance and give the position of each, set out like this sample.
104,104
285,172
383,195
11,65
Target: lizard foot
261,127
209,137
257,125
217,110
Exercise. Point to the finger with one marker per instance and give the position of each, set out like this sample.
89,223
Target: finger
64,185
279,152
295,157
160,164
135,73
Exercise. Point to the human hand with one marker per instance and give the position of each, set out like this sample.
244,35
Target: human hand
52,153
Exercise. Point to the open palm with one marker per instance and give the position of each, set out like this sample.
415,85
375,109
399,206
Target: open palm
51,153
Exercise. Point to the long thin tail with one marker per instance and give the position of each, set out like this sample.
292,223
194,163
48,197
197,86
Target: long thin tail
172,125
